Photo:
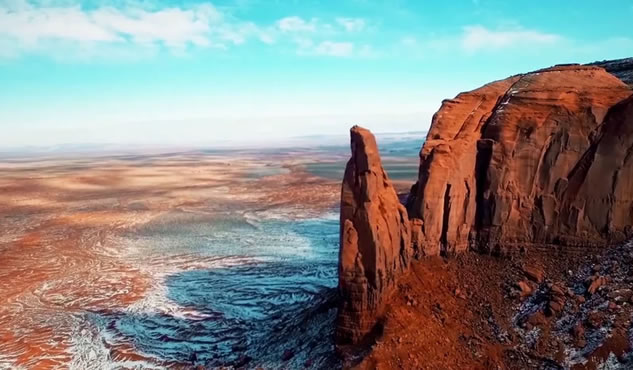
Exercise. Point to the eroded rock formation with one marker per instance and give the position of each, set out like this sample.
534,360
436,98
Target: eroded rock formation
540,159
523,161
375,239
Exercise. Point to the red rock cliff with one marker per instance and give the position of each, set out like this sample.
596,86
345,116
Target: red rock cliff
375,239
544,158
525,161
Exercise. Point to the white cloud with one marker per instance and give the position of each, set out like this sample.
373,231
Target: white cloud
352,24
297,24
318,37
330,48
63,30
28,28
31,25
174,27
335,49
478,37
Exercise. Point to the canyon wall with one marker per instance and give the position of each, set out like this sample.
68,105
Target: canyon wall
539,159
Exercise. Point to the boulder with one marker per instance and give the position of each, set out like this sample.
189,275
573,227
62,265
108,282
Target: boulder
557,299
534,273
596,283
525,289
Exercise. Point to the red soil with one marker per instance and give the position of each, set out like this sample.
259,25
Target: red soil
460,313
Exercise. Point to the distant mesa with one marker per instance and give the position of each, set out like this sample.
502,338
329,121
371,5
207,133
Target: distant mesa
539,159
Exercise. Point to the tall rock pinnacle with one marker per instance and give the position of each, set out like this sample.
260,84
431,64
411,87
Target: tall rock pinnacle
375,239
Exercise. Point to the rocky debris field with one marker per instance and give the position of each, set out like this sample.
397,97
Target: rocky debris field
541,309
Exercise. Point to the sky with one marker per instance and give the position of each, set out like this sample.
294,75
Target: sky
197,72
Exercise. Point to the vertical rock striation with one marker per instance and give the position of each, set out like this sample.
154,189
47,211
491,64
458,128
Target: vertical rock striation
512,164
375,239
598,198
445,196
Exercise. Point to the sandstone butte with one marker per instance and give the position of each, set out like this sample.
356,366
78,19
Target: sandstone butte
543,159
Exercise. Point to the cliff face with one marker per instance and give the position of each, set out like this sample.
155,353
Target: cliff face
375,239
512,164
600,191
445,196
539,159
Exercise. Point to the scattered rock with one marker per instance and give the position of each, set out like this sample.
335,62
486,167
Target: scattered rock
578,333
556,299
558,289
525,289
459,294
596,284
595,319
535,273
554,308
621,295
537,319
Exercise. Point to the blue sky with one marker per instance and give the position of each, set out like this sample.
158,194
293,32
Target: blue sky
196,72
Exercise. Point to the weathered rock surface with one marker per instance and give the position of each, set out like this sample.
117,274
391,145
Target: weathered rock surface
375,240
540,158
621,68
